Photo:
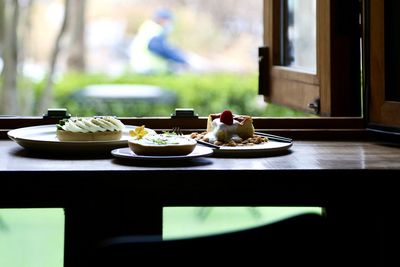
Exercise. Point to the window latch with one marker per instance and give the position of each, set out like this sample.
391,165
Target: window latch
184,113
263,71
57,113
316,106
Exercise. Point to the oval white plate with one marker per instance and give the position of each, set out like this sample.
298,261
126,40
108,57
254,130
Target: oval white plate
264,149
43,138
199,151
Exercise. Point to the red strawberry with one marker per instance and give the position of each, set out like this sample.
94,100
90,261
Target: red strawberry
227,117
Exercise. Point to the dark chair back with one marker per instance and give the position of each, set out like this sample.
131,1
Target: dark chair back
298,241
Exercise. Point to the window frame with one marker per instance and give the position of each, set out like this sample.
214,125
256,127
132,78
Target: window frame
298,128
338,47
289,81
382,114
336,126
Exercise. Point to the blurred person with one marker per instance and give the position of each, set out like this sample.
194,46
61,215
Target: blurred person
150,51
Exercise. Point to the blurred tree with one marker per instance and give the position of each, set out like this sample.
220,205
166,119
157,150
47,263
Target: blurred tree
1,27
76,48
9,103
47,93
25,93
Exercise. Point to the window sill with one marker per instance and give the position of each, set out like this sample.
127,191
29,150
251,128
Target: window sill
319,128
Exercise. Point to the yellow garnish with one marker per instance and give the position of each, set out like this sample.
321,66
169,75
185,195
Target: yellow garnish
139,132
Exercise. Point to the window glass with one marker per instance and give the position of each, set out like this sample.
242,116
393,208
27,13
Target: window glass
32,237
107,50
298,34
189,222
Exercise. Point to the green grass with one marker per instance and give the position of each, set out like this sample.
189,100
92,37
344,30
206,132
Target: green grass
31,237
206,93
185,222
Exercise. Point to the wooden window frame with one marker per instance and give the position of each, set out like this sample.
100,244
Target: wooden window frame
337,79
345,121
383,114
289,81
298,128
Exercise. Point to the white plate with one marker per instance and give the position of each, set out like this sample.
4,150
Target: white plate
44,138
199,151
264,149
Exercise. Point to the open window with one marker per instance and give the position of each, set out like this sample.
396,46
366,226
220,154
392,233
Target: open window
331,83
313,58
383,64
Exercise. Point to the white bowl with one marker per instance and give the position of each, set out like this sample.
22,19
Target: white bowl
162,145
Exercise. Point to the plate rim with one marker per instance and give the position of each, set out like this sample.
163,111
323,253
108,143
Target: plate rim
152,158
45,145
252,151
11,134
246,150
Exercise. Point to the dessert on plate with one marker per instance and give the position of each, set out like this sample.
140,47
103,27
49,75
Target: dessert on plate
104,128
165,144
227,129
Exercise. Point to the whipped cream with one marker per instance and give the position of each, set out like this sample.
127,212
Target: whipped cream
91,125
223,132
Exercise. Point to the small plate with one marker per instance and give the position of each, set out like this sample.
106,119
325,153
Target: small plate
127,153
258,150
43,138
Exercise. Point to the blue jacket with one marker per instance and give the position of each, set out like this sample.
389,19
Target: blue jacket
159,46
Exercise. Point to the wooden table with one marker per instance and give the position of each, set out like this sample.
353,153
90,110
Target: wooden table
105,196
